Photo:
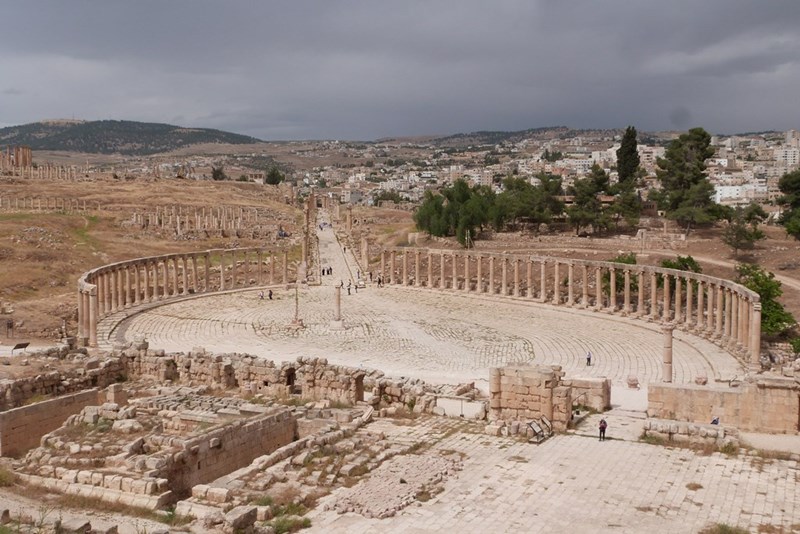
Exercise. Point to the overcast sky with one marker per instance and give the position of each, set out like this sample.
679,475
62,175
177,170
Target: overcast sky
295,69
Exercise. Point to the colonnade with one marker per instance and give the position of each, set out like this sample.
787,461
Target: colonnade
720,310
118,286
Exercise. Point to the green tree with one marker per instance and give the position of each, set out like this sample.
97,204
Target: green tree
789,185
685,190
274,176
218,173
628,258
742,231
586,208
628,157
428,216
775,319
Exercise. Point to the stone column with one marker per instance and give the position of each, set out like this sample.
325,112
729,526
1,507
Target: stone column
570,284
710,314
148,296
700,318
233,269
667,368
99,280
137,281
442,282
92,317
689,319
207,271
429,281
678,300
598,289
744,313
543,281
556,283
627,292
184,276
392,263
454,286
126,295
491,275
755,334
529,277
666,312
417,257
165,293
612,289
720,311
285,268
653,296
640,294
82,311
479,275
115,289
405,268
585,288
516,277
337,303
504,276
467,279
271,267
728,314
735,326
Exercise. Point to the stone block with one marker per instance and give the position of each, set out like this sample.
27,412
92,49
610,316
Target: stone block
75,525
217,495
241,517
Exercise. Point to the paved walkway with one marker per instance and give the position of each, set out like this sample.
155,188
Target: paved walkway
575,483
439,336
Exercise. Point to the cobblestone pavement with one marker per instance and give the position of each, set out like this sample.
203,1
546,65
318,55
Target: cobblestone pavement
439,336
575,483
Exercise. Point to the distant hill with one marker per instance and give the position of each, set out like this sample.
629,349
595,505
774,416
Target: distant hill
114,137
495,137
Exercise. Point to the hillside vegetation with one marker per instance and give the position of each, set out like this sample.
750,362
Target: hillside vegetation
114,137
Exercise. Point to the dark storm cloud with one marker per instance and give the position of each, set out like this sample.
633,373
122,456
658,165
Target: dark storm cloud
348,69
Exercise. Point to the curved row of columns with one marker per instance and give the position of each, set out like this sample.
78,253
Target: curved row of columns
720,310
110,288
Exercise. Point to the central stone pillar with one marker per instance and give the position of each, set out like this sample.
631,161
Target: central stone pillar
454,286
405,268
667,368
640,294
653,296
529,276
666,312
337,323
678,300
689,318
442,281
627,281
93,317
543,281
612,289
585,288
516,277
429,281
598,288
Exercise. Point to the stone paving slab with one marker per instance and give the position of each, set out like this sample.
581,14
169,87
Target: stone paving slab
575,483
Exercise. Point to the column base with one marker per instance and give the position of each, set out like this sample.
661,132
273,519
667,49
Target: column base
337,325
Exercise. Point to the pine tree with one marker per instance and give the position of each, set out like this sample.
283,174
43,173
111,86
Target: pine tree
628,157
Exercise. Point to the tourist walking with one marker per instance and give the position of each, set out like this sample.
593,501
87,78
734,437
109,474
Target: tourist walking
603,425
260,295
349,284
269,294
589,358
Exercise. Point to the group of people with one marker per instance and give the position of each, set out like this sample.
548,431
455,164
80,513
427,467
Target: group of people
327,270
261,295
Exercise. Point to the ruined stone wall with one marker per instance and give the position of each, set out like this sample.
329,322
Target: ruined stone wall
223,450
528,393
22,428
768,405
95,374
311,378
594,393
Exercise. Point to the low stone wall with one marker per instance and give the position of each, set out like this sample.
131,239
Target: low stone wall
311,378
526,393
770,404
221,451
691,433
96,373
594,393
22,428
